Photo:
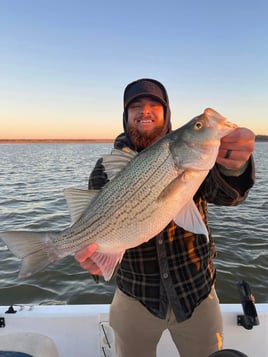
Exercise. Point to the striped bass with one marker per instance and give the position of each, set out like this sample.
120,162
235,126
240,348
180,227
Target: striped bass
145,192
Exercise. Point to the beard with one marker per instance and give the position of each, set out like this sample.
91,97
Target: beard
142,141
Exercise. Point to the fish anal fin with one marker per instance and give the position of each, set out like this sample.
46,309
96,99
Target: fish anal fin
78,200
107,263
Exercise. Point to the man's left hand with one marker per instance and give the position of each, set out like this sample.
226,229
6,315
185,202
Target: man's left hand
236,148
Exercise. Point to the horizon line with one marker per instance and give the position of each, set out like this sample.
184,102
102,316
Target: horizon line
54,140
258,137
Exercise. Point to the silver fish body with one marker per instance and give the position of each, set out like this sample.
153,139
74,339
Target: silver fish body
146,191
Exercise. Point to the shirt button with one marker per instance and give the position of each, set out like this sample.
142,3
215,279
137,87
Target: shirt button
160,241
165,275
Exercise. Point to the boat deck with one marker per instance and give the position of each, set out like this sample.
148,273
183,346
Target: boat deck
83,330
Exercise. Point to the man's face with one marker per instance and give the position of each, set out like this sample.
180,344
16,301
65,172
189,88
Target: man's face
145,121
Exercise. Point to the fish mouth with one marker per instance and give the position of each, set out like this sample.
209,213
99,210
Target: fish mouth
229,124
210,113
232,125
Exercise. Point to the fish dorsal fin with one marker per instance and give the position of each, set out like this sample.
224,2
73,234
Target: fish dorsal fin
78,200
189,218
107,262
117,161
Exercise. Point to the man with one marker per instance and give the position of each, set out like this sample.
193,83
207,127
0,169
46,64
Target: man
168,282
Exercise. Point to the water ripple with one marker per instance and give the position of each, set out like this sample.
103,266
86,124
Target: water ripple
32,180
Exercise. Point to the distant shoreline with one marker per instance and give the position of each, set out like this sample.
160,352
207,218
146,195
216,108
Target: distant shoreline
261,137
62,141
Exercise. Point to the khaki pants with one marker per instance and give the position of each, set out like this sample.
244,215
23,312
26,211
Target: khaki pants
137,331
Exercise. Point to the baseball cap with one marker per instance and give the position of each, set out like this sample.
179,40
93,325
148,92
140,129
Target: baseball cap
145,87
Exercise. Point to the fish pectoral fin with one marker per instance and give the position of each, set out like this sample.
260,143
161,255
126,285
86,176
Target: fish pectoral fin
107,262
189,218
78,200
36,250
115,162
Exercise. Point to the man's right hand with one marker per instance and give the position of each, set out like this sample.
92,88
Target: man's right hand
83,257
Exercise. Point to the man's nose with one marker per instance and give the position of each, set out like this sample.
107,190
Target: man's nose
146,108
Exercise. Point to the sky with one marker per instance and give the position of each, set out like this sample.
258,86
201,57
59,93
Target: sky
65,63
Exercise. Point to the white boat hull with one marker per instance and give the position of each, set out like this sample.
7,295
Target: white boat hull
83,330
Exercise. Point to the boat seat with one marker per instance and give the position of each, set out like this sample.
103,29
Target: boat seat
31,344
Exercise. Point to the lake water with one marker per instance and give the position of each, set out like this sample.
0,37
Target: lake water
32,179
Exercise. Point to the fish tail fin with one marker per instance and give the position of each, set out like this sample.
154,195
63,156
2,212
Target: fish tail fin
36,249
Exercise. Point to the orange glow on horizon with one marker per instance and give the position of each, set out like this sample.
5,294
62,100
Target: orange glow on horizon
34,131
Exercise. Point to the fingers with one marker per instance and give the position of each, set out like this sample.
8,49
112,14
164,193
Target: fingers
239,137
83,257
86,252
236,148
241,146
232,154
230,164
91,267
233,159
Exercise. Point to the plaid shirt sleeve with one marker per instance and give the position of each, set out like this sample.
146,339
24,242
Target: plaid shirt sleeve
228,190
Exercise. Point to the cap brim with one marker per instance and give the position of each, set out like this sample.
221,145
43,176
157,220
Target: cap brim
142,95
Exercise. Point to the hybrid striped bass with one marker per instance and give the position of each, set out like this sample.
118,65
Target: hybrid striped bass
145,192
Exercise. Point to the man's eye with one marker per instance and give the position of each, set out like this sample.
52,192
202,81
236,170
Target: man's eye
134,106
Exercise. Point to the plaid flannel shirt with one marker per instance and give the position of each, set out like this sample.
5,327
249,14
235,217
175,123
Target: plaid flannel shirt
175,268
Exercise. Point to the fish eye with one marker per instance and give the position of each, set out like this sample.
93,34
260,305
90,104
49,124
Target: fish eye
198,125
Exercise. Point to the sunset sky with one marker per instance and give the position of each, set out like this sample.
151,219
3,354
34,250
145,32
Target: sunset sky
65,63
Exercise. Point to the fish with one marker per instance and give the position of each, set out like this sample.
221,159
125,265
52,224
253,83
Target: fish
145,192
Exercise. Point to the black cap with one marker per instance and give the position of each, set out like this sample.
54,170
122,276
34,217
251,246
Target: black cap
145,87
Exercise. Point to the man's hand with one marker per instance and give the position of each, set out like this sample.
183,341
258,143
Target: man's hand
236,148
83,257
